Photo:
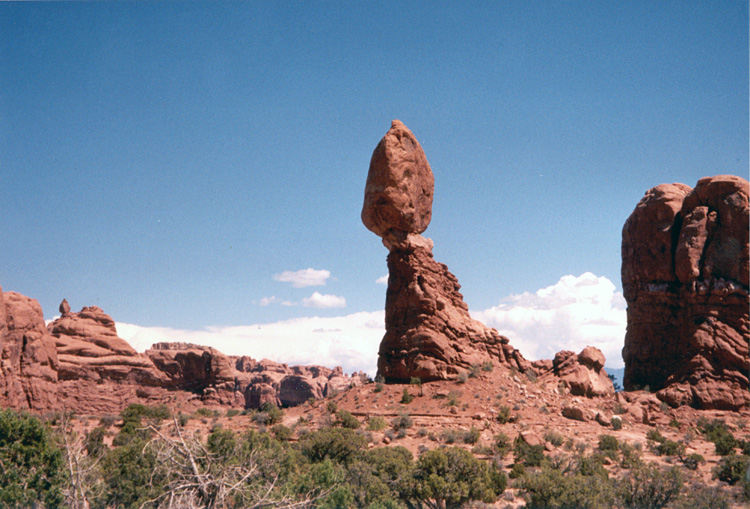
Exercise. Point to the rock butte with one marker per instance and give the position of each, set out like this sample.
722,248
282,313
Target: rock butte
685,259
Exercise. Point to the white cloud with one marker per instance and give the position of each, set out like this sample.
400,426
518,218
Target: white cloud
573,313
349,341
303,278
382,280
324,301
569,315
265,301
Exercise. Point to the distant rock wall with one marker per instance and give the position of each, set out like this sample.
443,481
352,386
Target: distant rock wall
685,261
79,363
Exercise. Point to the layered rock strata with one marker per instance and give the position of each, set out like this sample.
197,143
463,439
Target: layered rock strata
79,363
429,333
685,256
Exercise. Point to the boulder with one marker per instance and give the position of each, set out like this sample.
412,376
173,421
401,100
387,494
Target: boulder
685,262
583,373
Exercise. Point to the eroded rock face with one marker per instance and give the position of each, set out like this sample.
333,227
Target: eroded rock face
28,360
685,277
429,333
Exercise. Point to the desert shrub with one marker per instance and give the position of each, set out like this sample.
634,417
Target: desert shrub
732,468
670,448
131,475
403,421
449,436
418,382
453,476
716,431
275,414
340,445
487,366
592,466
462,377
649,486
529,455
503,414
502,444
616,423
281,432
674,423
725,444
31,462
474,371
94,442
630,456
608,443
551,488
691,461
233,412
332,407
347,420
107,421
517,471
204,412
653,435
453,398
376,423
471,436
378,387
554,438
406,398
698,496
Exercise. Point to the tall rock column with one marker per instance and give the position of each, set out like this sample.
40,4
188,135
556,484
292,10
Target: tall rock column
429,333
685,278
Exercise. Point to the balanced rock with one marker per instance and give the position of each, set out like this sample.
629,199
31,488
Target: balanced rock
685,265
429,332
64,307
400,186
583,373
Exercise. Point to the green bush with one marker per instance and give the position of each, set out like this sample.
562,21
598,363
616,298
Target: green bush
503,414
275,414
732,469
554,438
453,476
670,448
653,435
131,475
94,442
32,464
616,423
502,444
347,420
691,461
403,421
551,488
529,455
340,445
406,398
608,443
376,423
471,436
282,433
648,486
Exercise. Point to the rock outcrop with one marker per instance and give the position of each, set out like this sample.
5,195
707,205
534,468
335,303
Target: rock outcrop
429,333
28,359
685,261
78,362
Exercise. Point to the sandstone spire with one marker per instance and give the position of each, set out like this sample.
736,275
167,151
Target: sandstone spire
429,333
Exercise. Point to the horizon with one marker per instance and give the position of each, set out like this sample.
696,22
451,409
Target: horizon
197,170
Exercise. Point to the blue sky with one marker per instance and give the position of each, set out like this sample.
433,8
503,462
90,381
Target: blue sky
169,162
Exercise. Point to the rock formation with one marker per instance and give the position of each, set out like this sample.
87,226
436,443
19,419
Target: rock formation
583,374
429,333
685,258
28,360
78,362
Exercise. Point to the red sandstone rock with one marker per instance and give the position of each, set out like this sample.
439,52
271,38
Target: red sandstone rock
400,185
583,373
28,360
429,333
685,278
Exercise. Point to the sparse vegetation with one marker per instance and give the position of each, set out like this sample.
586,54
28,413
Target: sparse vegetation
376,423
406,398
503,414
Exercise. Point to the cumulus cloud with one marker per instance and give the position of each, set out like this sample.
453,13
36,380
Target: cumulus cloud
324,301
382,280
265,301
573,313
349,341
303,278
